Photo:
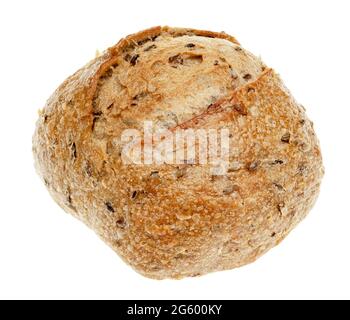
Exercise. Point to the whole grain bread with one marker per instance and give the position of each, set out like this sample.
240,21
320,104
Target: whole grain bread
171,221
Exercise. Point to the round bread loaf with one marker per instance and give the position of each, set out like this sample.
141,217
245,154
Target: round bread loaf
178,220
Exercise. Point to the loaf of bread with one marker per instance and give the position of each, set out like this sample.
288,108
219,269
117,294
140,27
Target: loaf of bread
171,220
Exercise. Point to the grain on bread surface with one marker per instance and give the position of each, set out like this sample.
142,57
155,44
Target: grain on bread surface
171,221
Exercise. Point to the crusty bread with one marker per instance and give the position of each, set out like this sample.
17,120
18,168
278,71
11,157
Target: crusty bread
171,221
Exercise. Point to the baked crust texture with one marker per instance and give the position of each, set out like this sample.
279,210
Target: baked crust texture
171,221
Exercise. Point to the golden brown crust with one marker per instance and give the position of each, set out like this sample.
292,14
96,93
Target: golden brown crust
180,221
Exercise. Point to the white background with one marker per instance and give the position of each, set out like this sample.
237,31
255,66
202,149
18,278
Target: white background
45,253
